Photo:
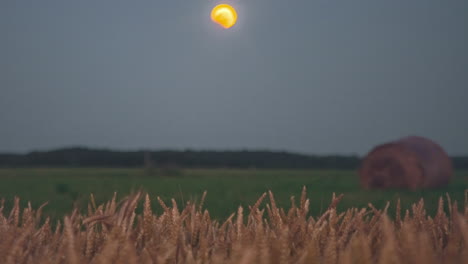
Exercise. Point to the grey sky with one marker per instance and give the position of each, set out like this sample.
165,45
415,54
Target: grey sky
315,76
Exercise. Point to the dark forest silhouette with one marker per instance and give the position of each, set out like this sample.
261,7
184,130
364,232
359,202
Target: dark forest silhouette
85,157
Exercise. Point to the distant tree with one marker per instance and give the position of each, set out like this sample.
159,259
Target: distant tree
149,164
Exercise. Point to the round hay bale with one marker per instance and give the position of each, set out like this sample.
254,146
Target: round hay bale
411,162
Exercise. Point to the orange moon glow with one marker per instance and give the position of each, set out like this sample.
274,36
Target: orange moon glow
224,15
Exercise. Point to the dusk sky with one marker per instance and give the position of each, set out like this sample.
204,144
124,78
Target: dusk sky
309,76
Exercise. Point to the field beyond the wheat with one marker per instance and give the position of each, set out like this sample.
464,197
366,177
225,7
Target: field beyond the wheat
66,188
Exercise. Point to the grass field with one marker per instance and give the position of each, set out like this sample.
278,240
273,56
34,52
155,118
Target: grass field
227,189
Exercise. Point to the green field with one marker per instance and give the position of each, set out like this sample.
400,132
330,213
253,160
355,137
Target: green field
227,189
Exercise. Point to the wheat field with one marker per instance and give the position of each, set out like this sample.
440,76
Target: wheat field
114,232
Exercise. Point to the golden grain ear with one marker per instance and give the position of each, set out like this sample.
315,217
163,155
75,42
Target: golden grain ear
119,234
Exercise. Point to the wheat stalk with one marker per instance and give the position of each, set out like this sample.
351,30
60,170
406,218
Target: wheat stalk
114,233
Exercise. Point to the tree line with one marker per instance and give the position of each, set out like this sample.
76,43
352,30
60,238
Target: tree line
85,157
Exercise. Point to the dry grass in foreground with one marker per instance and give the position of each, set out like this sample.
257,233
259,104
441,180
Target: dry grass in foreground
114,233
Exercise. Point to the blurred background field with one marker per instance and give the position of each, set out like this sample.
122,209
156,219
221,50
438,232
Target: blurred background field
65,188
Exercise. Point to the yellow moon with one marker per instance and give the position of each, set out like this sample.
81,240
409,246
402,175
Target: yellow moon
224,15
